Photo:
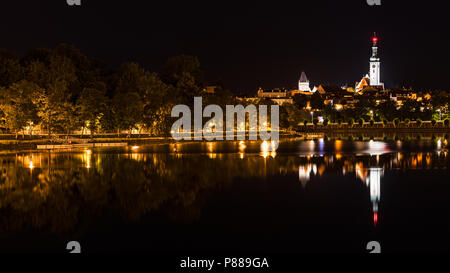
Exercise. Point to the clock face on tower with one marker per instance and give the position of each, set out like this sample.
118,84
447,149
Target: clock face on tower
373,66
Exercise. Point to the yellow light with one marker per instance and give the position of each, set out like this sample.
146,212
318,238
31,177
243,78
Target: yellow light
88,159
265,147
242,146
31,165
134,148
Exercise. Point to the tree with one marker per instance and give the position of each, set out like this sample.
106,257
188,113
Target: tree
316,101
439,99
446,122
58,82
387,110
175,68
396,122
17,106
293,115
186,89
300,101
419,123
127,110
409,109
361,122
91,106
10,69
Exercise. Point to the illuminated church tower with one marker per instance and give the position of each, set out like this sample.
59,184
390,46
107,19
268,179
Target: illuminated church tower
303,83
374,73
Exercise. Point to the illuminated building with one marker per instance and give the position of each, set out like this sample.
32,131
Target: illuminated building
303,83
373,78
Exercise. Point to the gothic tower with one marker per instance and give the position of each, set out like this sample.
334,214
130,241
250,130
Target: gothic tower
374,73
303,83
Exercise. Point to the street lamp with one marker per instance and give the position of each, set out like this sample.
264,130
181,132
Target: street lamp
440,114
312,117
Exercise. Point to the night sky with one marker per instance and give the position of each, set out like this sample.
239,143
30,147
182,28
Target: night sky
247,45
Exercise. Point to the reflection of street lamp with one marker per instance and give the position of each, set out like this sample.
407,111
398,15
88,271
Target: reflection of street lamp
312,117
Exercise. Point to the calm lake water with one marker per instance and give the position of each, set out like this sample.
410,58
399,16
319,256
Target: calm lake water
310,196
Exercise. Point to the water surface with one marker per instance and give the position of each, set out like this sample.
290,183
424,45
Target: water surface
309,196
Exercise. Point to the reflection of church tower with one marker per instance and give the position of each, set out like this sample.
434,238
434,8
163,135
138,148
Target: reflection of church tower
303,83
374,181
374,72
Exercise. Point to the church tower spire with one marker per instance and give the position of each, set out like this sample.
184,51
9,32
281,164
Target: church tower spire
374,72
303,83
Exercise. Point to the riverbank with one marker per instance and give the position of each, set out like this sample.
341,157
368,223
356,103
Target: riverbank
8,142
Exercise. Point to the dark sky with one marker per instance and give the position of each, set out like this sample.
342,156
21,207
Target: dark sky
247,44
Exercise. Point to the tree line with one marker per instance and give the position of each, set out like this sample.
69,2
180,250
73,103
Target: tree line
62,91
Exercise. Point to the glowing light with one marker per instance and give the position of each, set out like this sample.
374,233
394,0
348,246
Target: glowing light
88,159
134,148
31,166
375,39
439,144
339,107
210,147
338,145
242,146
321,145
377,148
274,145
375,218
265,147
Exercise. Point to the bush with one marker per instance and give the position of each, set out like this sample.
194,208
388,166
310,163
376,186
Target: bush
385,122
351,122
305,123
446,122
407,122
361,122
325,122
316,121
419,123
372,122
433,122
396,122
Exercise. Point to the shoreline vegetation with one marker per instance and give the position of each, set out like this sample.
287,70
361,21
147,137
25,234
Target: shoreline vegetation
310,131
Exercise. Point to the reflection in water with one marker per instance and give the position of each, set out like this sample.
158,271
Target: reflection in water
374,181
305,172
58,191
268,149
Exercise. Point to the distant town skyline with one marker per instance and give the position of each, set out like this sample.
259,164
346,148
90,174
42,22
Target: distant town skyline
247,45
